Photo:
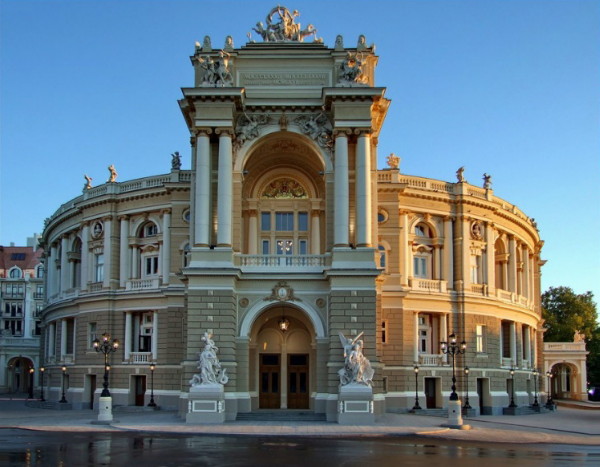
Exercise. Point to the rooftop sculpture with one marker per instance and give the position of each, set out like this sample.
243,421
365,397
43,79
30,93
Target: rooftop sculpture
285,29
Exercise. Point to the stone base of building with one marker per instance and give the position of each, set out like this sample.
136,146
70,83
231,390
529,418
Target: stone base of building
355,405
206,404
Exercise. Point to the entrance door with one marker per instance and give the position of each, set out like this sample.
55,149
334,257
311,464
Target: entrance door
430,391
270,374
140,390
297,381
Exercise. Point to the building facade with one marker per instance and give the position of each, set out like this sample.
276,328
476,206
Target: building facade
283,237
21,304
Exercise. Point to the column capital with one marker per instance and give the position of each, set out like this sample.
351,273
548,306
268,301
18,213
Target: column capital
165,211
342,132
363,132
202,131
224,131
123,217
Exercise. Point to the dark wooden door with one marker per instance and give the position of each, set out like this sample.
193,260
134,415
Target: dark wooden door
480,394
92,381
297,381
140,390
270,381
430,393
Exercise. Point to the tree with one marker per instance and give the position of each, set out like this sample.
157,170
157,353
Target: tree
565,313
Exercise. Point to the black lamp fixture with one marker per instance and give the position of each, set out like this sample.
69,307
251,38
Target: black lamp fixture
31,372
106,347
64,373
152,368
416,406
453,349
549,401
512,388
42,370
467,405
284,323
535,397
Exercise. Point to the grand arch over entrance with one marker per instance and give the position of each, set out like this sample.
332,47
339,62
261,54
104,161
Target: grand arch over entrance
282,360
19,378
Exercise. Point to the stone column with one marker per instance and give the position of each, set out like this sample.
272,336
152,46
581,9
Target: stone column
448,253
166,248
135,262
526,272
127,346
225,189
64,263
252,232
107,252
124,257
437,262
465,249
85,256
363,190
490,259
202,187
52,339
404,249
341,195
513,344
63,338
444,334
315,233
512,264
417,340
154,341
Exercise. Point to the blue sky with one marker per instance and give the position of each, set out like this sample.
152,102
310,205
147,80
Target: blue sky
510,88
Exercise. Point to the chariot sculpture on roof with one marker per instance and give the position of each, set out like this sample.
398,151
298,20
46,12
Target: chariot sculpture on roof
285,29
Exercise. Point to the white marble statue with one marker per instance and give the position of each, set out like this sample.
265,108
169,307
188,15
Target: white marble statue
210,368
281,27
351,71
357,368
113,174
215,72
317,127
248,127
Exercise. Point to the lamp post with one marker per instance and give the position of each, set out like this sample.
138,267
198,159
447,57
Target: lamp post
512,388
535,398
64,372
106,346
549,402
453,349
152,368
31,372
42,370
467,405
416,406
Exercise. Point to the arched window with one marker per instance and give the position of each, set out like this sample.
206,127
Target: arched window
422,252
150,229
186,255
39,271
15,273
382,258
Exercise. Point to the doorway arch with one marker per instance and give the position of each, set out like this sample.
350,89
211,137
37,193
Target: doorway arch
20,380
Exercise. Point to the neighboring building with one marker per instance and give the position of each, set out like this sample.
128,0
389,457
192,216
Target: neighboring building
21,303
284,220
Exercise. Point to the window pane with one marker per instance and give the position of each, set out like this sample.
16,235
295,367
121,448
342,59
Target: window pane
265,247
265,221
303,247
303,221
284,221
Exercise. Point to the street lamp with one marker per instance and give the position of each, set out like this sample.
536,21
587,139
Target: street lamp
64,372
42,369
467,405
535,398
512,388
416,406
453,349
152,368
106,347
549,402
31,372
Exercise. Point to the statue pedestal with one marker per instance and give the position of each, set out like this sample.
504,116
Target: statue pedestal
105,410
206,404
355,405
455,419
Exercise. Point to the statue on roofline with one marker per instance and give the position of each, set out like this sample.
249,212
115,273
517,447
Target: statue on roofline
286,29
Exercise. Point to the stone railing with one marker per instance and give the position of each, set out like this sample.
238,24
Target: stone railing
140,357
300,263
427,285
507,362
431,359
142,284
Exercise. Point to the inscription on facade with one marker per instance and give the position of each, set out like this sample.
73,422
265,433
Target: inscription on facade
284,79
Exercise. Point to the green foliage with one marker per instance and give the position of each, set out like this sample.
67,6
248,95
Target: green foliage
565,313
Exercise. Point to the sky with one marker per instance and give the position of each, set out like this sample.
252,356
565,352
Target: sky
510,88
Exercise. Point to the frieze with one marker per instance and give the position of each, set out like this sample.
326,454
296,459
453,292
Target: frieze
294,78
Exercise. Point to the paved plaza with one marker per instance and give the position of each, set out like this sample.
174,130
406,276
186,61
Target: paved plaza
575,424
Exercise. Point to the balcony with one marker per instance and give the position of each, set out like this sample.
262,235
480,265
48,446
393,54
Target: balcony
431,359
427,285
287,263
507,362
140,357
142,284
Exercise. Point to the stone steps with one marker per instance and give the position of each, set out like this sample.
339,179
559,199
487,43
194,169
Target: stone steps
281,416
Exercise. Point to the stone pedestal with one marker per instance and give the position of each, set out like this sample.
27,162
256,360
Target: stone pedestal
455,419
105,410
206,404
355,405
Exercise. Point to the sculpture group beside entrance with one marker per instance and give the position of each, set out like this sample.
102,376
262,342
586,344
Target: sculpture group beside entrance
357,368
209,365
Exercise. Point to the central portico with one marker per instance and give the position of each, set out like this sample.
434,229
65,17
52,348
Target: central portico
284,140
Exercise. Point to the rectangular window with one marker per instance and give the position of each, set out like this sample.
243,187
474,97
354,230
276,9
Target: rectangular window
422,341
383,332
302,247
420,267
303,221
99,268
480,338
265,221
284,247
284,221
266,247
151,265
92,334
